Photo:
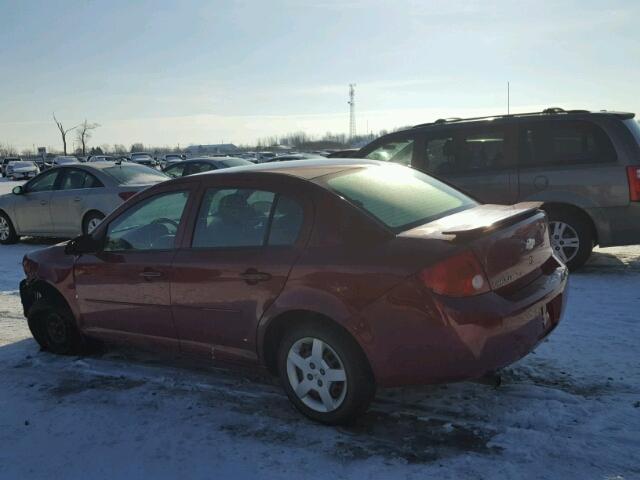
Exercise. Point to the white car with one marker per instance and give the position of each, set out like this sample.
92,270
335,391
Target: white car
64,160
70,200
21,170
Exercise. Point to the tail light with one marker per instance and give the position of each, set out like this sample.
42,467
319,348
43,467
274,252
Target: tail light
126,195
457,276
633,174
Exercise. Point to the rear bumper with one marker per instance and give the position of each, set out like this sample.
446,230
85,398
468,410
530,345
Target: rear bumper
618,225
451,339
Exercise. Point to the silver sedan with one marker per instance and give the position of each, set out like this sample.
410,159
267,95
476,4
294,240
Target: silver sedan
70,200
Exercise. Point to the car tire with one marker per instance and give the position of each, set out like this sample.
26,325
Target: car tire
565,226
91,221
332,402
8,233
54,328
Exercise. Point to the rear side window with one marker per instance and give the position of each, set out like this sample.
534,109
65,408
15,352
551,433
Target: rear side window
565,143
400,198
397,151
466,152
78,179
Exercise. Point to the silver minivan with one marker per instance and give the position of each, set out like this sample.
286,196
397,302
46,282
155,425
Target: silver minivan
583,166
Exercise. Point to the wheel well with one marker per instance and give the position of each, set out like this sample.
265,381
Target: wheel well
86,215
42,290
277,328
573,210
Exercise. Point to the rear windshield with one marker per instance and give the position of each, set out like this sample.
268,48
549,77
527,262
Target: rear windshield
22,164
134,174
235,162
401,198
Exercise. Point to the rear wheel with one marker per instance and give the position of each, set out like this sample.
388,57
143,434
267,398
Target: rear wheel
54,328
8,233
91,221
571,236
324,373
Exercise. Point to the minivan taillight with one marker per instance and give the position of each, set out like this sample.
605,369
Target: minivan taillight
457,276
633,174
126,195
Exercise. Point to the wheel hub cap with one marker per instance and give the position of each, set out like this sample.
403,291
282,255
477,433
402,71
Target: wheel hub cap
93,223
564,240
4,229
316,374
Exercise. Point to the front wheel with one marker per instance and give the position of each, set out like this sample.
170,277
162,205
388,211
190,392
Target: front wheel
54,328
324,373
91,221
8,233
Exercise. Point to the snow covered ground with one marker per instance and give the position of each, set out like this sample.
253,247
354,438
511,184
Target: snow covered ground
569,410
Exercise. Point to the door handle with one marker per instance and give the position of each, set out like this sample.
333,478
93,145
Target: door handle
147,274
43,202
253,276
77,199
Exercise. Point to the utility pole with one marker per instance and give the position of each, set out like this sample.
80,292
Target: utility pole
508,99
352,111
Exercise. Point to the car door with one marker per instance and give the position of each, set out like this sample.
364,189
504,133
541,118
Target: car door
123,290
69,200
245,241
32,208
480,160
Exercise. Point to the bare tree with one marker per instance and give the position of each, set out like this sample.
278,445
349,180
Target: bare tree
63,132
84,132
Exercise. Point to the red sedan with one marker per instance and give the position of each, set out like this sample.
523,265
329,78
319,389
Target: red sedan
340,276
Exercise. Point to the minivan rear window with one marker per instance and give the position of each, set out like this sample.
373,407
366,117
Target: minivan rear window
399,197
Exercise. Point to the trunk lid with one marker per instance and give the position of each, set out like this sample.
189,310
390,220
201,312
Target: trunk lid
511,242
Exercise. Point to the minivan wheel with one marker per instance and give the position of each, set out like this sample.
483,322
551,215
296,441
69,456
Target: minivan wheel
324,373
571,238
54,328
91,221
8,234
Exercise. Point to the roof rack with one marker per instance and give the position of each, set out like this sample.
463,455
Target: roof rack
546,111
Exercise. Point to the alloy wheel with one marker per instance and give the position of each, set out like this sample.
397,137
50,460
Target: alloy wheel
316,374
92,224
564,240
56,328
5,230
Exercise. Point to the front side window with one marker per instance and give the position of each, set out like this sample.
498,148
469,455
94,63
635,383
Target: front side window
43,183
150,225
466,152
200,167
397,151
400,198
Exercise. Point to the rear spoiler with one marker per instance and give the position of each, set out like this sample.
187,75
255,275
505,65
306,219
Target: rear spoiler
487,217
474,221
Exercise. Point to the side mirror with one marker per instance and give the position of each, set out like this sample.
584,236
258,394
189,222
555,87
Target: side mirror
19,190
82,244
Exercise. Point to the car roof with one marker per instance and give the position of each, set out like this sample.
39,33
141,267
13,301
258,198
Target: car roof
547,114
303,169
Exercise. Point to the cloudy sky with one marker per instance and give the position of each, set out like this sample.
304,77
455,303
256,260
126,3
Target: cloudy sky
204,71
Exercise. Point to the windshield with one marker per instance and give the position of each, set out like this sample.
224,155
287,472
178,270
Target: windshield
140,156
134,174
22,164
399,197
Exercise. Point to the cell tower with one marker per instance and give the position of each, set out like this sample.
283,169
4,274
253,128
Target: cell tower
352,111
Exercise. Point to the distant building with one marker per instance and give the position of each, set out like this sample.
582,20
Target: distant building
221,148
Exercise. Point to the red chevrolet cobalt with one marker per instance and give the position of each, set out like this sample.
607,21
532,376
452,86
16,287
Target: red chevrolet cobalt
340,276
